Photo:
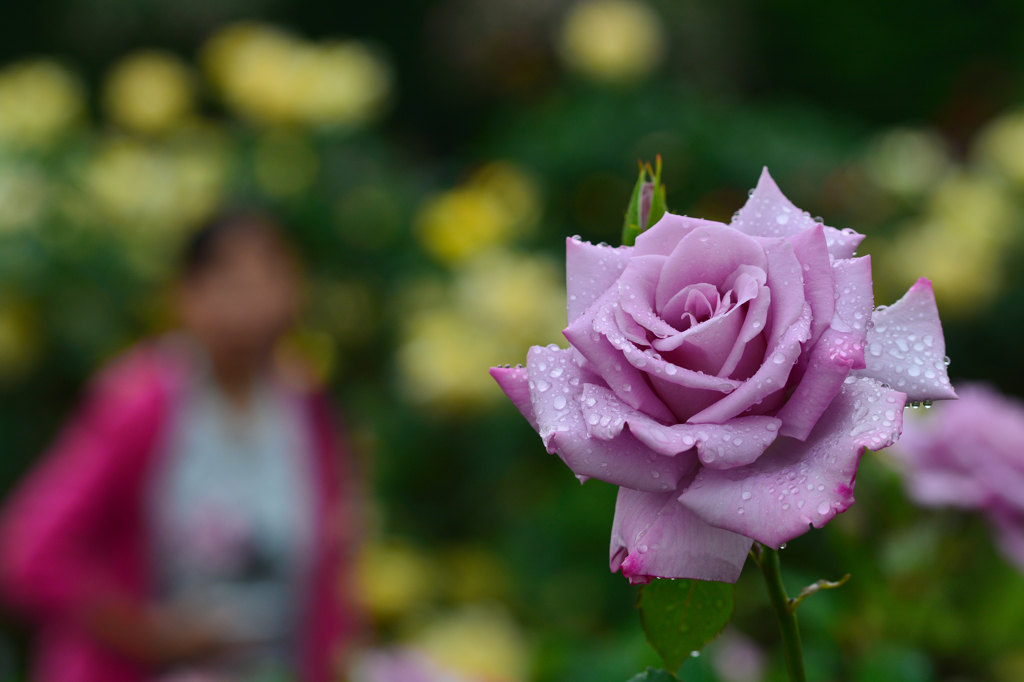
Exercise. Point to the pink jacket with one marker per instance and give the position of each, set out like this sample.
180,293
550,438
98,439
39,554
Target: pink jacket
75,529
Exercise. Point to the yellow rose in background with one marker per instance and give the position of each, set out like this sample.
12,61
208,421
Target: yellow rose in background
340,84
479,643
1001,146
393,577
39,101
497,204
270,76
612,40
960,242
907,163
499,304
149,92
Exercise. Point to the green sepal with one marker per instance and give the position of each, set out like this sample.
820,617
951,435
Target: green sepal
658,206
631,225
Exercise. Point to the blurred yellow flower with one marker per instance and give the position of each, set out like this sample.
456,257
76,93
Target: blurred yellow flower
270,76
907,162
24,195
498,203
521,297
145,187
1001,145
392,577
474,574
445,357
149,92
478,643
499,304
39,101
612,40
959,244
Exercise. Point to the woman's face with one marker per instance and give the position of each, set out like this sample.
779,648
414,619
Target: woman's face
243,298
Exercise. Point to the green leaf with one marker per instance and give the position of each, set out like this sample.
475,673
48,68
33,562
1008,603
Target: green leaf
653,675
681,616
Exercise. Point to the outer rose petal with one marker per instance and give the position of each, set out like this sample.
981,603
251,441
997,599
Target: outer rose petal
785,281
855,299
829,363
768,213
812,252
653,536
662,237
906,348
514,382
555,395
589,271
722,446
795,484
636,293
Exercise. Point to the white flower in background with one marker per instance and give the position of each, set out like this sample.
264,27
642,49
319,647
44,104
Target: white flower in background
612,40
39,101
907,163
270,76
149,92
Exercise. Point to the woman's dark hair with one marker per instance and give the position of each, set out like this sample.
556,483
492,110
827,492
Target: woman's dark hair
201,248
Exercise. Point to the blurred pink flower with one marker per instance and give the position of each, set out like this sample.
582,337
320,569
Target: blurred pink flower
399,664
718,375
970,454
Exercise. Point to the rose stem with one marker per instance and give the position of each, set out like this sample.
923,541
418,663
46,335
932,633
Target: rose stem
769,563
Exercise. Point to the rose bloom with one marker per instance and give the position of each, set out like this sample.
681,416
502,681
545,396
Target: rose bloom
728,379
970,454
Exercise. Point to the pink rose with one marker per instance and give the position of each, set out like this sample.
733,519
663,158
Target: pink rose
970,454
717,374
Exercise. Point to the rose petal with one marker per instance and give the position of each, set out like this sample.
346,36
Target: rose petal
785,281
771,376
557,385
514,382
753,326
722,446
842,243
663,237
653,536
589,271
810,249
707,254
855,299
829,363
795,484
906,348
706,346
768,213
636,293
604,355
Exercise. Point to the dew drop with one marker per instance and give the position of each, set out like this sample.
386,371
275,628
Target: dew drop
823,508
559,402
746,495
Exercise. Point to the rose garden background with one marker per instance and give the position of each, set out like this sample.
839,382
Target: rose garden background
431,158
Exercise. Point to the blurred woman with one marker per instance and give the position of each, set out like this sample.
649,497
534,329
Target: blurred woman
190,522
